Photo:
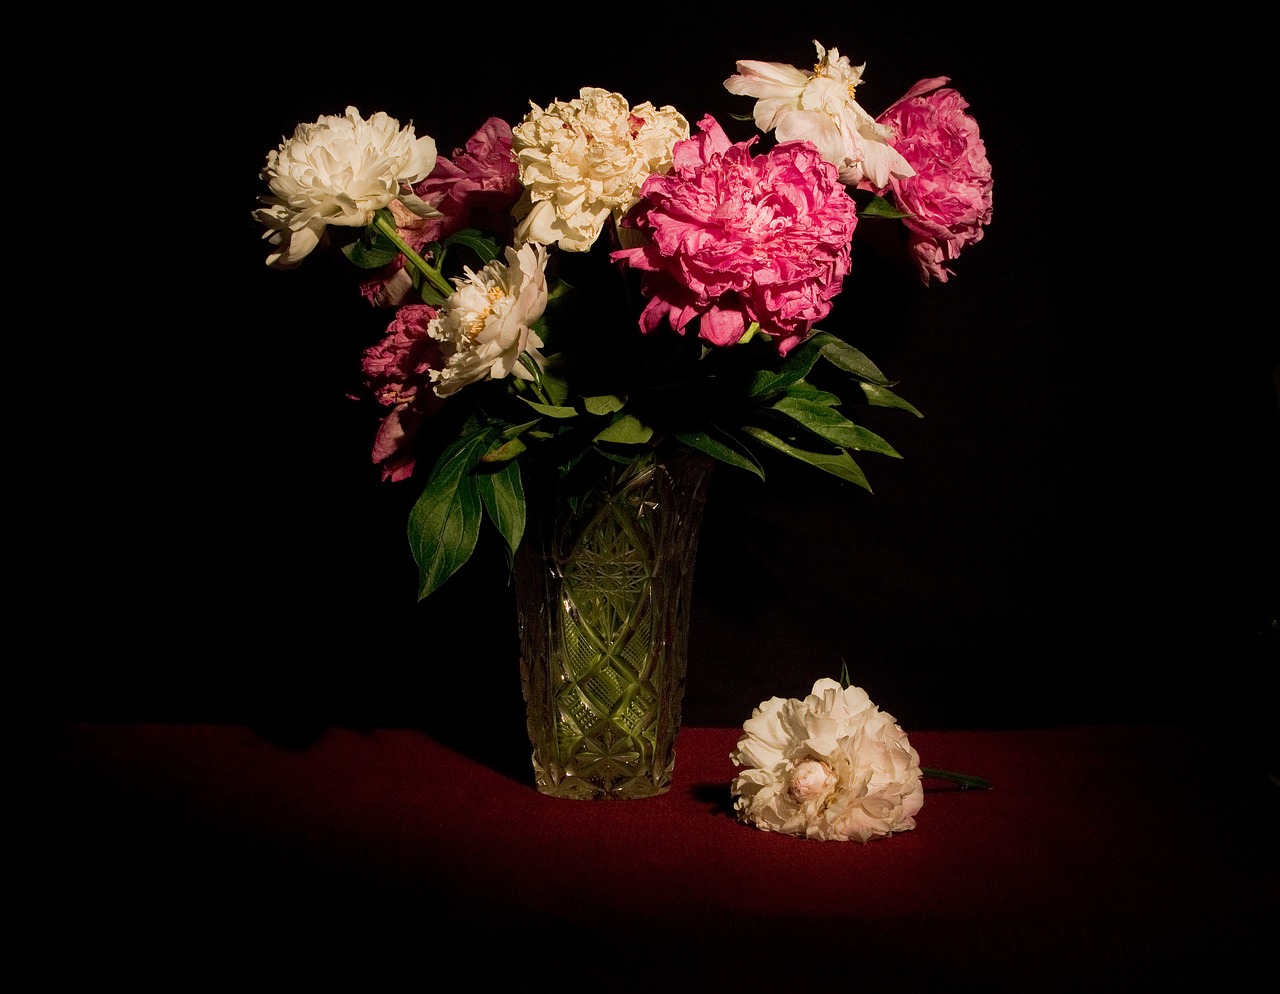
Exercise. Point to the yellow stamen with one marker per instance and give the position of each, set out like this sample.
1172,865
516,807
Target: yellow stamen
494,294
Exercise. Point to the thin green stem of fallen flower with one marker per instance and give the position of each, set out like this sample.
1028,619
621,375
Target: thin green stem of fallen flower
430,272
964,780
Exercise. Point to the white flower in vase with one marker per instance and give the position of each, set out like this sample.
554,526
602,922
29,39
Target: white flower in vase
818,105
583,162
339,171
487,323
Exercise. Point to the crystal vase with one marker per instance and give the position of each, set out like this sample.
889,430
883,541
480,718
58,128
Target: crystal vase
603,582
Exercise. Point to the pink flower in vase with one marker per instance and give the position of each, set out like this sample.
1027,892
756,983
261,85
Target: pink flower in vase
949,197
398,372
734,240
477,187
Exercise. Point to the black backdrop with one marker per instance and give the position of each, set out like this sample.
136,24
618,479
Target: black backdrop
1081,529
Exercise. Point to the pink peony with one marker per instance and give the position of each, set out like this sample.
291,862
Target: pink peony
733,239
477,188
950,194
397,372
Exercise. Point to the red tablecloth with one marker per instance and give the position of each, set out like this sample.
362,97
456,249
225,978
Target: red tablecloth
1110,858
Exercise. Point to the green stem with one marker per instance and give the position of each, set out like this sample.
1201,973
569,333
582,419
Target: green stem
965,781
527,362
430,272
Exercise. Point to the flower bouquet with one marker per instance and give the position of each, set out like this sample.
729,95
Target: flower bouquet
592,307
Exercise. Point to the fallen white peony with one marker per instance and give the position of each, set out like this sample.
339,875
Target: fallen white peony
832,766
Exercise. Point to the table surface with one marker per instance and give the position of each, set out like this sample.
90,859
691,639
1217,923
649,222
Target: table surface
1102,858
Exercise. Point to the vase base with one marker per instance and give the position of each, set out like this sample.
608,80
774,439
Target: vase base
593,788
585,792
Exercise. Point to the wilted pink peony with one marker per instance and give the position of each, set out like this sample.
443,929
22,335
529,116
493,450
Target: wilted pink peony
950,194
397,372
732,239
475,189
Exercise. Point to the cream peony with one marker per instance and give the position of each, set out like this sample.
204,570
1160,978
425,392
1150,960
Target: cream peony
832,766
339,170
486,324
582,161
818,106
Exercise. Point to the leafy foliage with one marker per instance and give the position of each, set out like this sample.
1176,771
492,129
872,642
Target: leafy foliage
629,394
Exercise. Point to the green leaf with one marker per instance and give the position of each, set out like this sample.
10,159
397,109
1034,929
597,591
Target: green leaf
628,430
367,247
833,426
806,391
844,356
878,396
369,256
879,207
726,450
482,245
513,430
551,410
502,451
503,495
793,369
801,359
839,464
604,404
445,520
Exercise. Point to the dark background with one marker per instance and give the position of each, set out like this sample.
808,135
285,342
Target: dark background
1081,530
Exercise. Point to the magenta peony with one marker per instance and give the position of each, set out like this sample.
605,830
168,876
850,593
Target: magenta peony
949,197
397,372
734,240
477,187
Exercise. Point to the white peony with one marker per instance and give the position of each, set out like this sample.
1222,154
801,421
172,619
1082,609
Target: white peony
339,170
819,106
486,323
583,161
832,766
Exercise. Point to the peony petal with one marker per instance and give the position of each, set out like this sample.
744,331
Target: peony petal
766,79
